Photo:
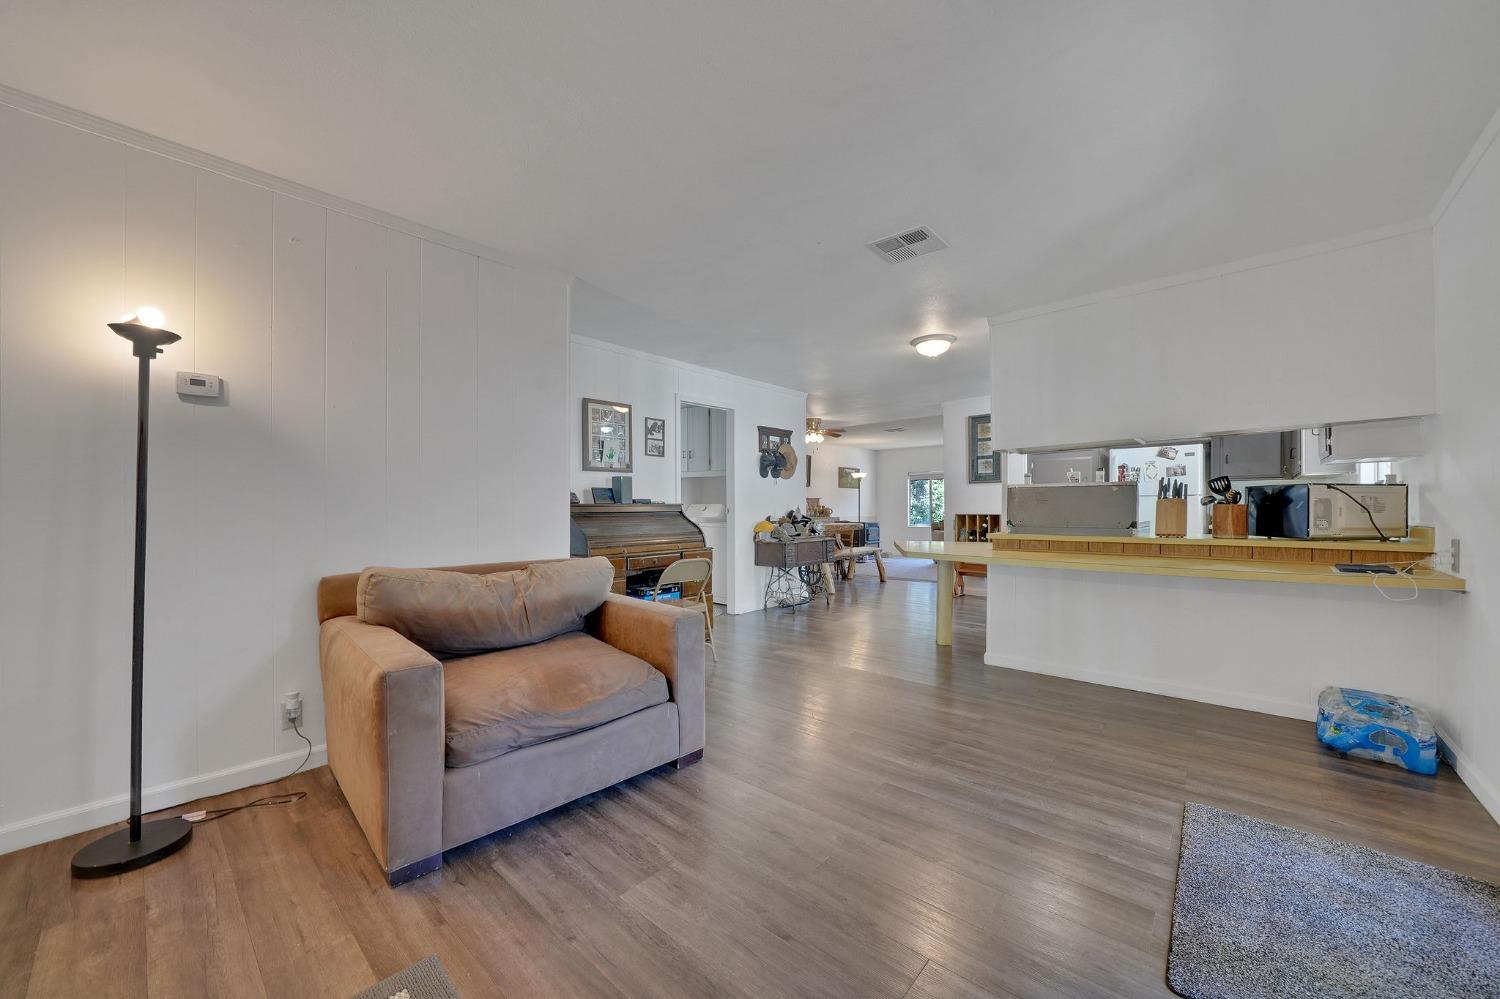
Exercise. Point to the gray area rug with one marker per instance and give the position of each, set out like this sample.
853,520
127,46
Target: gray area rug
1266,911
424,980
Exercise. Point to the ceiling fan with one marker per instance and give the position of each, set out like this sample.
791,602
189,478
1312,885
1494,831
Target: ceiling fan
816,432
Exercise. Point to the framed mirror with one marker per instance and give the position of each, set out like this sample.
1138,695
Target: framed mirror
607,443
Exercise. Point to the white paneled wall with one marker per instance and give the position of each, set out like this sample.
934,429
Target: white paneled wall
388,399
1462,498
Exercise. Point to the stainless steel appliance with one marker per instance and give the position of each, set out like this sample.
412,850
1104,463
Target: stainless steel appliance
1322,510
1090,508
1291,454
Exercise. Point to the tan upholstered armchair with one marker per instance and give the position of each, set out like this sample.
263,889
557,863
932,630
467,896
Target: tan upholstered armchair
433,752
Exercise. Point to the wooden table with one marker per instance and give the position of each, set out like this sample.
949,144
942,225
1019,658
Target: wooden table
1259,560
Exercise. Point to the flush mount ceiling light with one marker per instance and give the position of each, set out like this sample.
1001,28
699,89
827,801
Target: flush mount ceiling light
934,344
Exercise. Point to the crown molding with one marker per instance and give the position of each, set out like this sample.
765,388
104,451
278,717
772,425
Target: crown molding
1465,169
1364,238
61,114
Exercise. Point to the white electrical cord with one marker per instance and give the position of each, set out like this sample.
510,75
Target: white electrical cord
1402,570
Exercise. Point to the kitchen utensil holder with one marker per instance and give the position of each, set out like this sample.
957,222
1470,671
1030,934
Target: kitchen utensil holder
1171,518
1231,520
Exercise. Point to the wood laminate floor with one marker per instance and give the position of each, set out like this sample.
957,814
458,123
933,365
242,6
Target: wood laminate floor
875,817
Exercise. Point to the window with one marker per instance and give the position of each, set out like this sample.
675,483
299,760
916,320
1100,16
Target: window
924,501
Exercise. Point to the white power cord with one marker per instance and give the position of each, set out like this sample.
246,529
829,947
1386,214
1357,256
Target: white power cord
1402,569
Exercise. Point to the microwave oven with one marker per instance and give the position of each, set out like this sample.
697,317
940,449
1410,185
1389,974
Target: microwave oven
1329,510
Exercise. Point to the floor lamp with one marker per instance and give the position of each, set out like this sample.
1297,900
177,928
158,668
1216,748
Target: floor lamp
139,843
859,494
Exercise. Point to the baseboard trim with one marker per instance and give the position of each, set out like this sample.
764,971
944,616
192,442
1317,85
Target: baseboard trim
1474,779
94,814
1153,685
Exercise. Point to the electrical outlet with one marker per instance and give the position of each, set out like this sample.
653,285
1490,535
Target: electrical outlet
291,709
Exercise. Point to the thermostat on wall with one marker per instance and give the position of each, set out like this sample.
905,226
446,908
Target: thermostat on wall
192,383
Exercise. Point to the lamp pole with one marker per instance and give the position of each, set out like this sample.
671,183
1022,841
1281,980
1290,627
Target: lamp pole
859,495
138,844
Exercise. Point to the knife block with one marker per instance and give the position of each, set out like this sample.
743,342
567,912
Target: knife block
1231,520
1171,518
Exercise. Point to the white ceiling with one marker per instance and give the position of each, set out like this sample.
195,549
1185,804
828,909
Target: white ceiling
719,165
920,431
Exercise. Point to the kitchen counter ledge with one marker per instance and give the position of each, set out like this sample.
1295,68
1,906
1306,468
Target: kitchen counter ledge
1263,560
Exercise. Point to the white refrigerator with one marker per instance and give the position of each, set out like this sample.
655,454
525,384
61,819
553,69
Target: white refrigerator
1147,466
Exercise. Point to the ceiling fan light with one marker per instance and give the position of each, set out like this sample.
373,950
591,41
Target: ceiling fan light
934,344
814,433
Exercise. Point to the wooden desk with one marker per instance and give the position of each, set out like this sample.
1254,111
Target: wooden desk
1258,560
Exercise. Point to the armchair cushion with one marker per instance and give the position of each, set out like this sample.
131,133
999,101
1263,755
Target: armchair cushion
458,613
501,701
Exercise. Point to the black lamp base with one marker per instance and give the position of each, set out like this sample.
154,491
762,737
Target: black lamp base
115,854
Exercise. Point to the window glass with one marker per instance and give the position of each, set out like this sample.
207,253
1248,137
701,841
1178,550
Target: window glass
924,501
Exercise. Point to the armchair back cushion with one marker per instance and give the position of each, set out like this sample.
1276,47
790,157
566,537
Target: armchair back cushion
459,613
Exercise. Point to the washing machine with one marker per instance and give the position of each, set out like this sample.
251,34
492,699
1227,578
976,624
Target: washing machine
712,520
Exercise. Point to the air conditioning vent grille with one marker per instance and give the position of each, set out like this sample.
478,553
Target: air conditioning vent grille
906,245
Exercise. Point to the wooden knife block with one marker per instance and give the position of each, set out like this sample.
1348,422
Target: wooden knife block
1231,520
1171,518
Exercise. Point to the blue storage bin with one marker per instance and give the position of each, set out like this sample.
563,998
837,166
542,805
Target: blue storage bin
1380,727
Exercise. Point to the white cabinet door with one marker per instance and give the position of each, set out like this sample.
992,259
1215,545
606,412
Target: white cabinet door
695,437
718,441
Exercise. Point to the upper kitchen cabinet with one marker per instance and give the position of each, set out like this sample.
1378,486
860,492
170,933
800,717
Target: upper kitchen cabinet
705,441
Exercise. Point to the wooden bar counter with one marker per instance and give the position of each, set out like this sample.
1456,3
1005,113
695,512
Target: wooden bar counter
1260,560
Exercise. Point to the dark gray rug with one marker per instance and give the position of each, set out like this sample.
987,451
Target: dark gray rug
1267,911
424,980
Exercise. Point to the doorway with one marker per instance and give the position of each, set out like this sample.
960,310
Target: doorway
704,485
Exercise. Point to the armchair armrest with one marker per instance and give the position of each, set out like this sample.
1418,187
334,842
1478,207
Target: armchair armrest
383,697
669,638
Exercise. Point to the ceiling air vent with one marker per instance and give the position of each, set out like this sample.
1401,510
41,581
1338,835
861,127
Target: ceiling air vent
905,245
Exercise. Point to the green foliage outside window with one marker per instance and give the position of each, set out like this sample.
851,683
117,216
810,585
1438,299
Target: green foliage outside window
924,502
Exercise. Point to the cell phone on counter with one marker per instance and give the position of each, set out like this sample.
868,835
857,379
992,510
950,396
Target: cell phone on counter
1355,568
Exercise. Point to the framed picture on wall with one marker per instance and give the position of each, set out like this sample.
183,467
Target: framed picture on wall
656,437
982,464
847,479
607,444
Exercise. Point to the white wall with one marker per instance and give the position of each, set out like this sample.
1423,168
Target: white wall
961,495
1335,334
1354,339
655,386
1463,498
893,469
1262,647
387,399
846,504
